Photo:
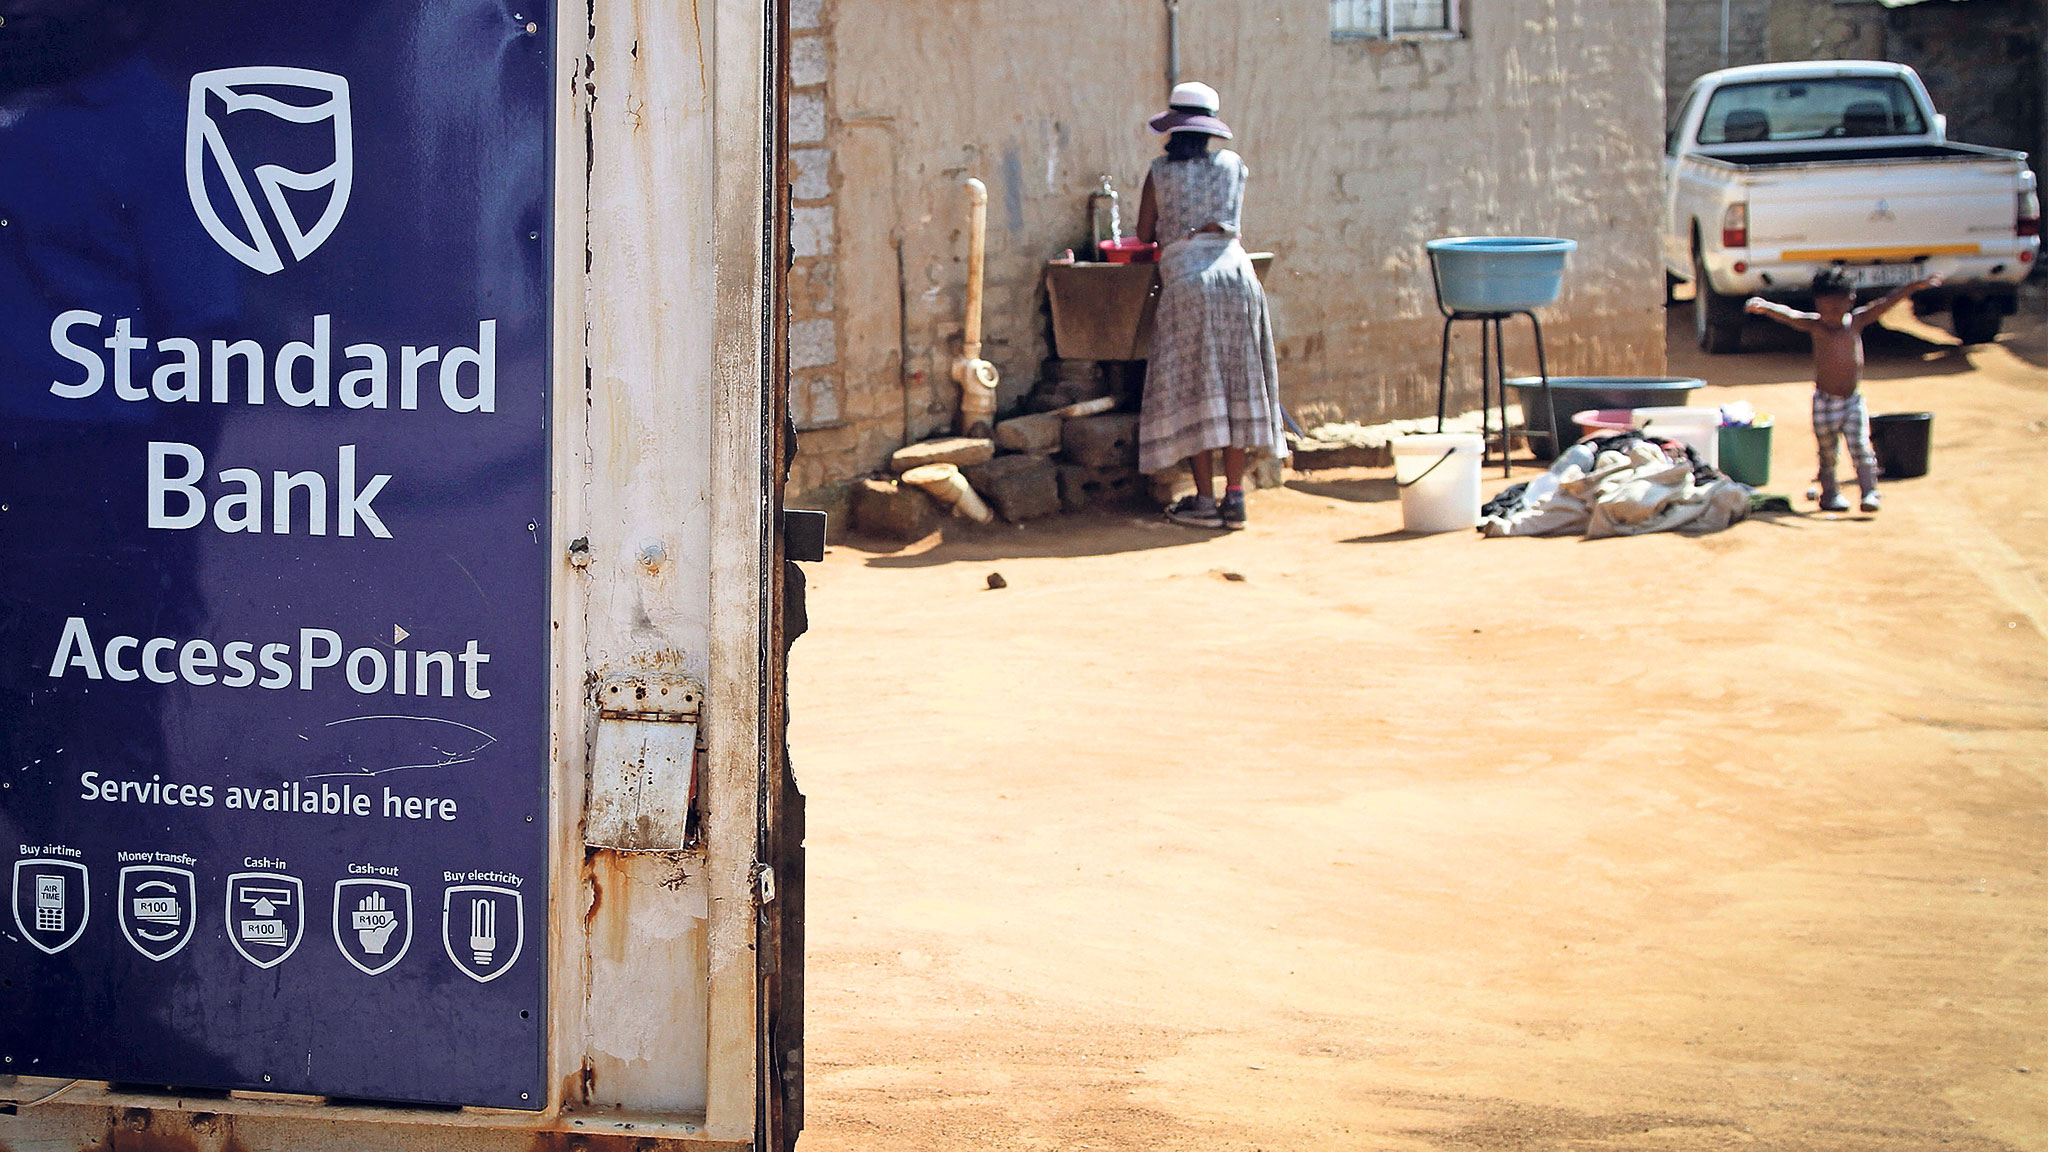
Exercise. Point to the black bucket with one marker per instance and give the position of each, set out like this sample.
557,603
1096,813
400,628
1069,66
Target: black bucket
1901,441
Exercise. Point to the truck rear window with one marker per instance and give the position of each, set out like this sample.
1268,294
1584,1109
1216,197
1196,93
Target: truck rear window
1818,109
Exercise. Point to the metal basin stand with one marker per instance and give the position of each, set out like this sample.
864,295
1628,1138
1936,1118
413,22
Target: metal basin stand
1491,279
1493,376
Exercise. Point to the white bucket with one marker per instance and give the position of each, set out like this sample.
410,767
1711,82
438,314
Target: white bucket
1438,474
1697,428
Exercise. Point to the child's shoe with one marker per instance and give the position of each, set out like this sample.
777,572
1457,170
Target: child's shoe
1834,502
1870,502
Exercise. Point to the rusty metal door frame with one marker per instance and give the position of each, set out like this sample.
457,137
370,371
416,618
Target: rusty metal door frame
668,428
780,1027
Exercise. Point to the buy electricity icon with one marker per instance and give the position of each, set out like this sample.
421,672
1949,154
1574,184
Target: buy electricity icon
483,928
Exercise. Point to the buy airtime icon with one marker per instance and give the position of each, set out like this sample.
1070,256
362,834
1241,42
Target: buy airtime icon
51,902
287,132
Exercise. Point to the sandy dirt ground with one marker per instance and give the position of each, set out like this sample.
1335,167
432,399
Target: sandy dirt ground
1322,836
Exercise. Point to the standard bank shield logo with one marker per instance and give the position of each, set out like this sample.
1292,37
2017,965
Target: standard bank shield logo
50,903
155,908
287,132
266,916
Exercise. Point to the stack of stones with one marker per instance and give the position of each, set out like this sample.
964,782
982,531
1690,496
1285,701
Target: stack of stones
1077,456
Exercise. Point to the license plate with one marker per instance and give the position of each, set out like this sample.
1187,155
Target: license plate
1882,275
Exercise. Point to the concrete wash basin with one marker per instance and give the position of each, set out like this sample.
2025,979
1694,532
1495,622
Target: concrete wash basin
1104,311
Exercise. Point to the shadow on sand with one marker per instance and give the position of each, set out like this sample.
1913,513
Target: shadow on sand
1070,535
1773,354
1358,490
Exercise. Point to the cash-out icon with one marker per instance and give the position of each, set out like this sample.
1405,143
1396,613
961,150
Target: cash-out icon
372,922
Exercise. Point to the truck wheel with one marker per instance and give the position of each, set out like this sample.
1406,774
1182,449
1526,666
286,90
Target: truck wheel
1717,319
1975,321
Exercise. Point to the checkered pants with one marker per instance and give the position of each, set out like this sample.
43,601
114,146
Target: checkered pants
1843,416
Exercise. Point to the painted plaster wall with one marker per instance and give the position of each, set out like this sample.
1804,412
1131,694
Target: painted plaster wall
1545,118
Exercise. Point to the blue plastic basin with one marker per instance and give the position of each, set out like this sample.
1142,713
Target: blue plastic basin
1499,273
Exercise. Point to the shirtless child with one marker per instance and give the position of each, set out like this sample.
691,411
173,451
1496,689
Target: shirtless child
1836,326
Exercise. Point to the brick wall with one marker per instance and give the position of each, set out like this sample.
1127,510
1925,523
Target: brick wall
816,392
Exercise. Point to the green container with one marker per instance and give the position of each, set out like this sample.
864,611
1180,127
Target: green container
1746,454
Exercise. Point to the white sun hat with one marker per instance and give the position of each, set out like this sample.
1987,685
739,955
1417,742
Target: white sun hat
1195,96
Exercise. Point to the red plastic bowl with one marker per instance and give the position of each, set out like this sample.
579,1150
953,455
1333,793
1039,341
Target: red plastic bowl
1604,420
1129,250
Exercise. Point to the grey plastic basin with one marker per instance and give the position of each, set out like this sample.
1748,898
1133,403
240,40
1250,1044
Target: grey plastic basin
1569,394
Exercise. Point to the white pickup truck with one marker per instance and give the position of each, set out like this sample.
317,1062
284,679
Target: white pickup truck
1776,171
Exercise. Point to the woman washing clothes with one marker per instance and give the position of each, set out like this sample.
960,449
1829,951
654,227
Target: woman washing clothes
1212,387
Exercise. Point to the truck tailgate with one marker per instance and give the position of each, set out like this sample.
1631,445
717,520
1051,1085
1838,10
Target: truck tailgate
1887,210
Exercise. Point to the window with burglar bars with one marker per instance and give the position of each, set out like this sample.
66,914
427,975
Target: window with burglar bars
1392,19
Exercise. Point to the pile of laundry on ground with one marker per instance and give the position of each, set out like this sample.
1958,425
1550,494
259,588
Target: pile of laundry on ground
1626,484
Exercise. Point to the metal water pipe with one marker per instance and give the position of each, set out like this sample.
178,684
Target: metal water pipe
1172,43
977,377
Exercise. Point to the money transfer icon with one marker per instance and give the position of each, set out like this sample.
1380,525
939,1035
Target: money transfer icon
266,916
287,131
483,928
50,903
373,922
155,908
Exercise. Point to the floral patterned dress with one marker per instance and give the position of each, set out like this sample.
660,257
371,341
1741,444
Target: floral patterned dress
1213,380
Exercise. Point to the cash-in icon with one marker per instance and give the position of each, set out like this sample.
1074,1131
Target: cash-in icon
372,922
155,908
266,916
50,902
483,927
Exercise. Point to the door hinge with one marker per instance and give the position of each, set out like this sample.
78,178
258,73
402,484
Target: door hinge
643,763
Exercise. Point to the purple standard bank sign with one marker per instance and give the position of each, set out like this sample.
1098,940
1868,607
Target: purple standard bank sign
274,399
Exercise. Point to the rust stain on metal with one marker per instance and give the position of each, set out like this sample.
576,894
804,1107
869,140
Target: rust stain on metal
595,1142
703,73
613,931
134,1130
579,1085
596,890
677,876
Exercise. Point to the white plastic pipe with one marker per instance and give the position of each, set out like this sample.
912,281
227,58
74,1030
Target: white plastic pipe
949,487
977,377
